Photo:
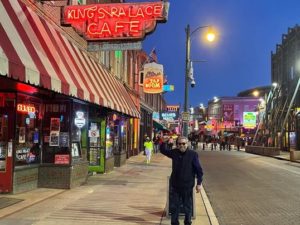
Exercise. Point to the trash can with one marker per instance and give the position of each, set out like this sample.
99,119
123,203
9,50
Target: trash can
169,200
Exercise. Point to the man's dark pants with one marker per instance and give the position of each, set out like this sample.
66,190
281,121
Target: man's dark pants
186,198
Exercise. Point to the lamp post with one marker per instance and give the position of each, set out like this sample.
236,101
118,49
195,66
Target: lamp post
189,33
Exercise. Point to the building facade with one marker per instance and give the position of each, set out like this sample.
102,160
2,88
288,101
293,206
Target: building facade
226,114
64,111
282,122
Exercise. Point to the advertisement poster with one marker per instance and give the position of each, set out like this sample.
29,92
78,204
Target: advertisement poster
153,78
249,120
64,139
228,112
55,124
54,138
22,133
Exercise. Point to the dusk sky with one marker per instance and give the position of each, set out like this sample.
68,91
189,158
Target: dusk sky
241,57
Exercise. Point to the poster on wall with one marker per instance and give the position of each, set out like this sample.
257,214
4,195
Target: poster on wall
54,138
22,134
228,114
64,139
55,124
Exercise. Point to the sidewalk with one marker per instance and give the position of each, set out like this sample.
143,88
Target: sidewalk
142,196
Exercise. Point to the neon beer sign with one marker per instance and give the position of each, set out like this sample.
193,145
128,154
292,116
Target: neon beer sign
115,21
23,108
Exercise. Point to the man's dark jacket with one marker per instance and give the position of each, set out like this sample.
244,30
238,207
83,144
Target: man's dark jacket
185,167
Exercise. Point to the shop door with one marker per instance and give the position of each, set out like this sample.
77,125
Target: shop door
95,150
6,149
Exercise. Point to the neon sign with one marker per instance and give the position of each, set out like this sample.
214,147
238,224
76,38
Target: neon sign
25,108
116,21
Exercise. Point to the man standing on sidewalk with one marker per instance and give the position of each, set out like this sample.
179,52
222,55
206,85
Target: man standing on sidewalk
185,167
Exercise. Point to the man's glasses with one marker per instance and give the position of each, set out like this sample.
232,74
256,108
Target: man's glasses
181,143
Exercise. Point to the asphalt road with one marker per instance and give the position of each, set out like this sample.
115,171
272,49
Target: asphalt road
247,189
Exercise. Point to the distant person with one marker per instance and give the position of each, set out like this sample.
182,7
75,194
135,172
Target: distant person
157,141
148,144
185,167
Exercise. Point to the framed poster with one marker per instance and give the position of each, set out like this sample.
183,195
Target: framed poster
75,149
55,124
64,139
54,138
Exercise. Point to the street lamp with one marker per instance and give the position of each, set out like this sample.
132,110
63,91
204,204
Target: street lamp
188,68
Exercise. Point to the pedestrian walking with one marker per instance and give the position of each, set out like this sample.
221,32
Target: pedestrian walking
156,141
185,167
238,143
148,144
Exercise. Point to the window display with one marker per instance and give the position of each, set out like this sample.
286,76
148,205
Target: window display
56,132
28,125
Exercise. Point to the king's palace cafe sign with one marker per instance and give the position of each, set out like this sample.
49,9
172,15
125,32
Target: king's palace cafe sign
115,21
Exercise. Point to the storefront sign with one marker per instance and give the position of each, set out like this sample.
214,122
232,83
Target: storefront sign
115,21
169,116
249,120
99,46
25,108
62,159
153,78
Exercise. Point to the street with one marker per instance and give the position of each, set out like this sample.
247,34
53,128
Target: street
243,189
246,189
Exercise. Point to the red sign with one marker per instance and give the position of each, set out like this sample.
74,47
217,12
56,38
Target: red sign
25,108
62,159
116,21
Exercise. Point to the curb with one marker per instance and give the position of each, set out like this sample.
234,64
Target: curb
209,210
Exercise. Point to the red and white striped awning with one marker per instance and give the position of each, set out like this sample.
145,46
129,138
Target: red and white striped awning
34,52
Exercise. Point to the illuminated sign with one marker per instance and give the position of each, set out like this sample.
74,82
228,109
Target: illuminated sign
153,78
168,87
25,108
169,116
115,21
79,119
249,120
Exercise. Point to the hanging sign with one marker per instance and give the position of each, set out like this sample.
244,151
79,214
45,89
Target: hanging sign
153,78
115,21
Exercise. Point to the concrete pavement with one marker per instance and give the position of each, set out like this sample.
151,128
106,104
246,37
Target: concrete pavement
140,191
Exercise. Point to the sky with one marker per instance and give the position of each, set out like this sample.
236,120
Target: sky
240,58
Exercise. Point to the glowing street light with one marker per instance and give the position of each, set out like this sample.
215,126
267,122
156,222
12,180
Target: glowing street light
210,36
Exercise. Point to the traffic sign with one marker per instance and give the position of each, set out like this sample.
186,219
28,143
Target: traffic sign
185,116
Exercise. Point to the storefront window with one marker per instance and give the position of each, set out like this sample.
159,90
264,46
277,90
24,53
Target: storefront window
28,125
56,132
